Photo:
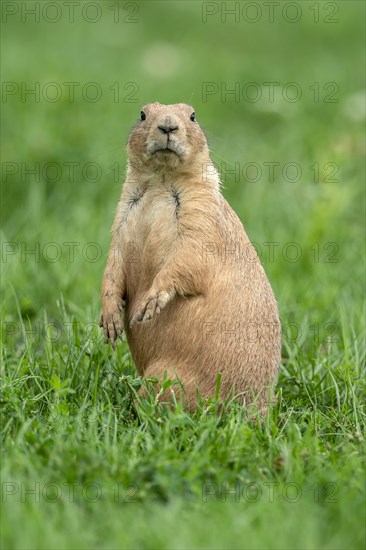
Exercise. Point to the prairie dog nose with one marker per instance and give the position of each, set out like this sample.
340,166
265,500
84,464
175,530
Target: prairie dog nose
168,124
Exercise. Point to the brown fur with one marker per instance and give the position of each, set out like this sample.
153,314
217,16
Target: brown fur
195,299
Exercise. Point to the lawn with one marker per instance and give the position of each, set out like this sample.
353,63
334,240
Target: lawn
280,96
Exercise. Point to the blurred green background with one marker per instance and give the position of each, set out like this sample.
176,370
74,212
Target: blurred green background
169,55
136,53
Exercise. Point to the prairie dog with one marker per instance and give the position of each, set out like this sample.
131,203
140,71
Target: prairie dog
182,277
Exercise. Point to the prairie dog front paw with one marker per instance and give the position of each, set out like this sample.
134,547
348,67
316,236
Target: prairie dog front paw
152,304
111,320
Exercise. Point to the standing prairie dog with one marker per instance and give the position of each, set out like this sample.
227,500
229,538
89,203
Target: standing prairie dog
182,272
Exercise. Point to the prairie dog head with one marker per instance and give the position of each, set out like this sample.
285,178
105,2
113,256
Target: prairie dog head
167,137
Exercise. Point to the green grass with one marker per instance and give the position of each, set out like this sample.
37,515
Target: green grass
104,475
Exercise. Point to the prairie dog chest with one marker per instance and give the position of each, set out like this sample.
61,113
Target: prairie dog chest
149,217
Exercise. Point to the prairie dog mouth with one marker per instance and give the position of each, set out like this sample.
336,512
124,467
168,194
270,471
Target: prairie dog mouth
165,150
171,147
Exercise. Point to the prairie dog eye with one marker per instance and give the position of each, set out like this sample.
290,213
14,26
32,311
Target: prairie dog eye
143,115
193,117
